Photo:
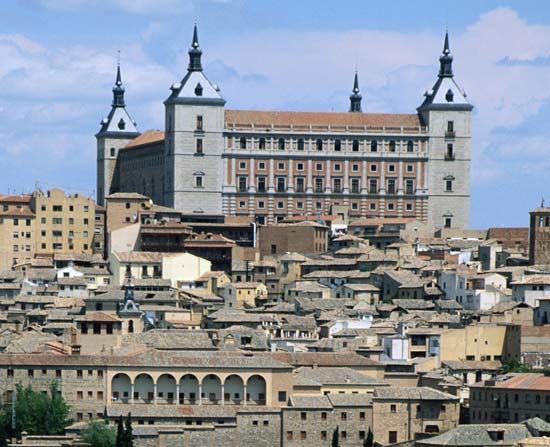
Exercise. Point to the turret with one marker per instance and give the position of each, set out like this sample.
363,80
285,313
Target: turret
355,97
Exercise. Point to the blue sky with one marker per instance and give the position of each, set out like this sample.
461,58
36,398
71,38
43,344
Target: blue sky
59,58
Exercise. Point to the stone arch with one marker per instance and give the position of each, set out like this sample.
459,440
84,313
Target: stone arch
211,388
233,389
166,388
189,389
121,388
256,389
144,388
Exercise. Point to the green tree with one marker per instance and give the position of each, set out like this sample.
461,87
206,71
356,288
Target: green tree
128,436
99,434
336,437
119,440
369,440
36,413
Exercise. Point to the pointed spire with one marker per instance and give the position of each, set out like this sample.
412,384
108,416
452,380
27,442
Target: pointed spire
118,89
446,59
195,52
355,98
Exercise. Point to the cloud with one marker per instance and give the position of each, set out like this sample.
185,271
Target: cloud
138,7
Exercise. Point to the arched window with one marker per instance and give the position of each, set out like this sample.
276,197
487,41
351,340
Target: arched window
198,89
261,143
282,144
355,146
337,145
410,146
374,146
113,152
319,144
392,146
242,143
301,144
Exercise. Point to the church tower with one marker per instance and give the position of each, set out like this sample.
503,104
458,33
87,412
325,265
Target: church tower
117,130
447,114
194,143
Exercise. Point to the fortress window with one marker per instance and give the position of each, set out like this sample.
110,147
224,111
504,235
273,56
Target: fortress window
198,89
242,143
261,143
199,122
300,144
198,181
355,146
448,185
410,146
450,126
374,146
392,146
450,152
337,145
199,146
281,144
372,206
448,222
409,207
319,144
113,152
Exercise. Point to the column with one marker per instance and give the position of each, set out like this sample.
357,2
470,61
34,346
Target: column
154,393
223,394
132,393
177,400
244,397
200,393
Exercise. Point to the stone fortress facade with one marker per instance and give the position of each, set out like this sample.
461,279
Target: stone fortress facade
213,161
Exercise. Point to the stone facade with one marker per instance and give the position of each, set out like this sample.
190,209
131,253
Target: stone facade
272,165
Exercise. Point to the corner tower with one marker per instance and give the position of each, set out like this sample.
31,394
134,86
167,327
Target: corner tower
447,114
194,114
117,130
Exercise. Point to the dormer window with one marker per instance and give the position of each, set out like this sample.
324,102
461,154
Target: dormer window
198,90
121,124
449,96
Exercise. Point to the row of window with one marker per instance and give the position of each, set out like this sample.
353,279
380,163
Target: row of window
59,221
320,144
58,372
323,435
527,398
59,208
319,185
90,395
319,167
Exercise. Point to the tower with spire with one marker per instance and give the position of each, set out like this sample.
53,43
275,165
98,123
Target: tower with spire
447,114
194,143
355,97
116,131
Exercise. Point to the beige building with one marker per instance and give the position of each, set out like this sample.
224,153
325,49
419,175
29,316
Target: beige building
181,268
244,294
403,413
303,237
45,224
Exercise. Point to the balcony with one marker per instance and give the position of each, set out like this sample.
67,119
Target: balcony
449,157
450,134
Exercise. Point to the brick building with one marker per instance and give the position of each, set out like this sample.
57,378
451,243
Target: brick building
271,165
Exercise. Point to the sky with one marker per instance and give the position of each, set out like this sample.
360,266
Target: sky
58,62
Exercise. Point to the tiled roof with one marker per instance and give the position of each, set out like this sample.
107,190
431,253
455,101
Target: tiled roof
339,376
488,365
310,402
350,400
523,381
324,359
139,256
411,393
282,118
147,137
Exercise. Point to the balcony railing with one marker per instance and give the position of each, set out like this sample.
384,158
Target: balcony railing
449,157
450,134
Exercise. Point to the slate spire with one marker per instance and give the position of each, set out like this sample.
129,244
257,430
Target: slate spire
118,89
446,60
195,53
355,98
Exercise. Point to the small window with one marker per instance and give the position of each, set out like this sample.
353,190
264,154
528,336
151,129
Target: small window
281,396
391,168
199,122
355,146
319,144
373,168
281,144
198,89
393,408
448,222
113,152
261,143
198,148
300,144
410,146
198,181
374,146
448,185
303,416
337,145
242,143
